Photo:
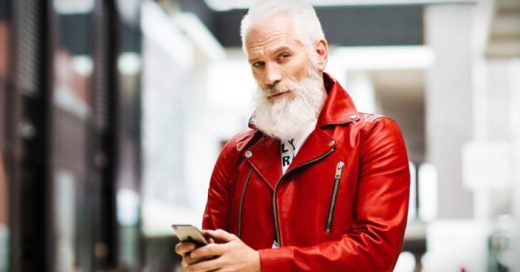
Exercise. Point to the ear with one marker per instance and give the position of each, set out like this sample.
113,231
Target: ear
322,50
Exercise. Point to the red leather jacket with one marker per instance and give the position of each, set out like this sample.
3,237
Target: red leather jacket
341,205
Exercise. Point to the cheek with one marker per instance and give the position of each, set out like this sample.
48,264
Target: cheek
259,82
256,75
298,69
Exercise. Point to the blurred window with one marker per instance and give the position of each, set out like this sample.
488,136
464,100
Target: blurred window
167,62
3,216
70,112
128,180
4,201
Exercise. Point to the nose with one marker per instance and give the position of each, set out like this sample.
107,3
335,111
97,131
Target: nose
273,75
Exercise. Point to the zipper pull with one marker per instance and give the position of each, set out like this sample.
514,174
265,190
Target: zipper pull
337,180
339,167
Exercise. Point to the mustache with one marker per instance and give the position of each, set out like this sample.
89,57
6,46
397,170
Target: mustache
280,87
276,89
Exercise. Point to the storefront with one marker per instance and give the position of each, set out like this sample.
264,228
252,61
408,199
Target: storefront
69,136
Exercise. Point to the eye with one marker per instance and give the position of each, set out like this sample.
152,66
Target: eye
283,56
258,64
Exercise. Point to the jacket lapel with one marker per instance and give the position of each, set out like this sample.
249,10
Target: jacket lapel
264,157
317,145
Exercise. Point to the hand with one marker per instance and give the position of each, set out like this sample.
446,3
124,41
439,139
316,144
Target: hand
184,249
230,255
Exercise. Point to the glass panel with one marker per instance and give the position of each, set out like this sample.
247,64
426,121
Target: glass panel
4,201
128,184
4,231
4,43
64,194
165,78
70,114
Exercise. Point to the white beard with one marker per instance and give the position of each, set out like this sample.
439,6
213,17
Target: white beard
288,117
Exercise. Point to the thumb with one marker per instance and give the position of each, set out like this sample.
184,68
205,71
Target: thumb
222,235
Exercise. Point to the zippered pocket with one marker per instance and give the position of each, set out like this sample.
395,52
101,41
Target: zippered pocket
337,180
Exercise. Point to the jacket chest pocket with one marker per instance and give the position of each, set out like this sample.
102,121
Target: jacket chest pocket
334,195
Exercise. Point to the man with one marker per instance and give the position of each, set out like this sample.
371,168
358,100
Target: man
313,185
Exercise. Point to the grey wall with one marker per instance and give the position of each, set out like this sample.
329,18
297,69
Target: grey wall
409,114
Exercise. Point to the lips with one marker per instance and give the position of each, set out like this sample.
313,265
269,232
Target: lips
278,94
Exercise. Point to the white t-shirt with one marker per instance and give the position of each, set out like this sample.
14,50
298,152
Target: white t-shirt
289,148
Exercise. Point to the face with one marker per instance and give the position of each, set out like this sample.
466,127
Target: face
289,76
277,58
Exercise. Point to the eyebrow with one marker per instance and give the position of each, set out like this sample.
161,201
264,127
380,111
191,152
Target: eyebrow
276,51
282,48
252,60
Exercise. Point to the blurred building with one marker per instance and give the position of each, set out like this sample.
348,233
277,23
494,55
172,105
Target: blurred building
112,114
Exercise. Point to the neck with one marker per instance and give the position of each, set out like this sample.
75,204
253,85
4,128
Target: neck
324,92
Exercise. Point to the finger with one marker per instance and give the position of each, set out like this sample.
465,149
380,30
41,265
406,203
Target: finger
184,248
207,236
188,260
222,235
209,265
208,251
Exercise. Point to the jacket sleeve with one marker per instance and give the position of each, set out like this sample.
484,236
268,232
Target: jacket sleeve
375,239
217,211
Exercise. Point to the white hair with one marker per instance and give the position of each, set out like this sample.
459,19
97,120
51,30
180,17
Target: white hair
307,26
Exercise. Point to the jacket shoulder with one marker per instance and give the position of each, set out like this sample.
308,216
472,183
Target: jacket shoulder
369,120
239,142
379,133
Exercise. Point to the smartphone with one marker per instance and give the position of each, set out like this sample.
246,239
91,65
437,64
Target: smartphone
189,233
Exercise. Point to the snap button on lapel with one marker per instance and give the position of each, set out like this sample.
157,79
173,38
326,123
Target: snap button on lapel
249,154
354,117
332,142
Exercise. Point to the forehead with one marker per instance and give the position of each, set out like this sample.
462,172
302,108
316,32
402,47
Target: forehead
271,34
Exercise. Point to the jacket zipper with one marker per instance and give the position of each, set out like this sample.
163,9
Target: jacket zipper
337,179
275,210
242,201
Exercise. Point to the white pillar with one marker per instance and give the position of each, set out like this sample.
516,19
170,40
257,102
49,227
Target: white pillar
515,132
449,103
361,89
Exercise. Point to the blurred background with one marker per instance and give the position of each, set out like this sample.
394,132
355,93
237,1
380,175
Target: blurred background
112,114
